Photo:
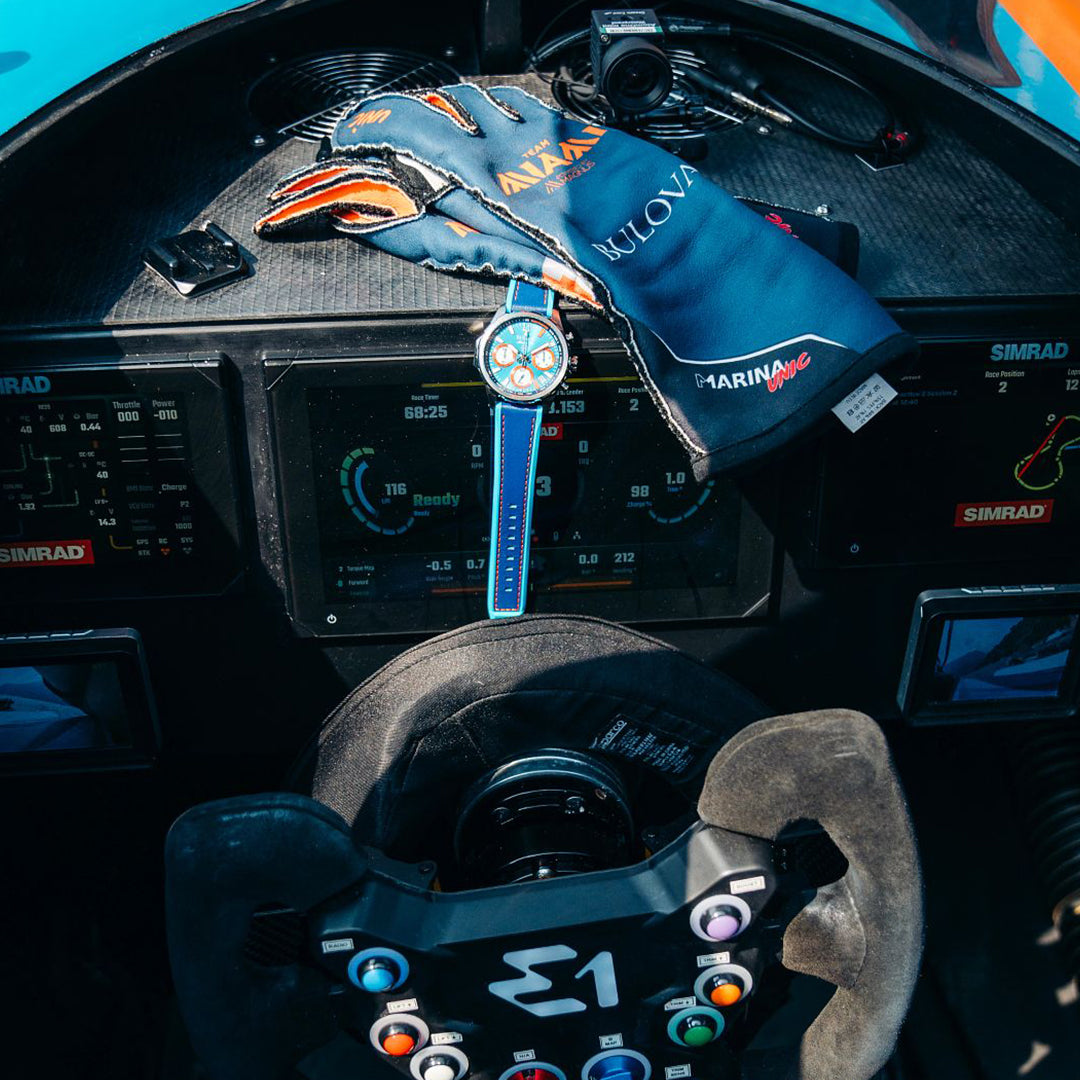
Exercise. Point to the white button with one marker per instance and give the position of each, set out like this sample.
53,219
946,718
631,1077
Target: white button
439,1071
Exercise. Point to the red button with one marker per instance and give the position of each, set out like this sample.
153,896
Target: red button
399,1044
533,1074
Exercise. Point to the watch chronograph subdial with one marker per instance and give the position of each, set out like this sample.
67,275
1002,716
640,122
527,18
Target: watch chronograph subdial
544,359
521,378
504,354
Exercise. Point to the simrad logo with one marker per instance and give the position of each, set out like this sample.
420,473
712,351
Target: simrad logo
47,553
1020,512
1029,350
25,384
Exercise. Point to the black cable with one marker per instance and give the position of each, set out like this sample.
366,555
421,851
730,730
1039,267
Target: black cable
893,126
740,80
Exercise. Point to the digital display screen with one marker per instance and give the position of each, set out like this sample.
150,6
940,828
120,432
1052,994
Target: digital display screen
386,479
977,459
68,706
116,480
1002,658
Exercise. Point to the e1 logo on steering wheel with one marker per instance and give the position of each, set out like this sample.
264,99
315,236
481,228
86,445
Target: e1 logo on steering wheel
601,967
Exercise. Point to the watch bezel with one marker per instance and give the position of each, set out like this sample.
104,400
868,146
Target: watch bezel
500,320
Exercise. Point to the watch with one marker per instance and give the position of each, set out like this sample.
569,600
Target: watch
523,357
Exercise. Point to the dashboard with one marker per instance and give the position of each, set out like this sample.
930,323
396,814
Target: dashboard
303,455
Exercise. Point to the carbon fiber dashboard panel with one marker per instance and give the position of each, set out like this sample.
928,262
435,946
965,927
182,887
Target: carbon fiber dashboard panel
948,224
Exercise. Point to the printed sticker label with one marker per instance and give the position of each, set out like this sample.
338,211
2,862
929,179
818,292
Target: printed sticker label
445,1038
864,403
341,944
713,958
675,1004
745,885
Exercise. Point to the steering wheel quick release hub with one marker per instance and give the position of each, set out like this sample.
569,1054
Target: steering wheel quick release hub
720,918
378,970
695,1027
723,985
399,1035
543,815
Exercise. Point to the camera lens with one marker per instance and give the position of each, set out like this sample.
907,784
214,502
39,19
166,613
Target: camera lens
635,76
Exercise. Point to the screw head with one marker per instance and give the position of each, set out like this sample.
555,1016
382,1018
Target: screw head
449,52
260,141
764,129
823,210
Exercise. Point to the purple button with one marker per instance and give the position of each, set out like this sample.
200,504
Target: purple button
722,927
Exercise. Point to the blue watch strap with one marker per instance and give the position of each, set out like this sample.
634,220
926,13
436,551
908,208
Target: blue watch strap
524,296
515,443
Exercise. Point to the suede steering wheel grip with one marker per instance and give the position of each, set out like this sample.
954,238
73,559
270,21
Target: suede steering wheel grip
864,932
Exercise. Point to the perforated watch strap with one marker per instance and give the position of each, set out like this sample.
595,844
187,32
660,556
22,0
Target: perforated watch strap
524,296
514,447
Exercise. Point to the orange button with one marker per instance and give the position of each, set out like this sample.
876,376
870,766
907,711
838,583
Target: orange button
399,1044
725,994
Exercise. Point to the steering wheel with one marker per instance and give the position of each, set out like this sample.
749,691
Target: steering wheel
303,944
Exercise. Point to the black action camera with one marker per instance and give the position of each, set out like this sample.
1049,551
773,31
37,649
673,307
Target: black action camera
630,68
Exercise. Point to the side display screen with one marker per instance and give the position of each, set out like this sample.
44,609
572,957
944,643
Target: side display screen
62,706
75,700
992,652
385,478
978,459
116,480
1001,658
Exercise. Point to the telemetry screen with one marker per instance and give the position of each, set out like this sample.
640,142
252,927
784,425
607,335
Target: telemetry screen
116,479
386,483
977,459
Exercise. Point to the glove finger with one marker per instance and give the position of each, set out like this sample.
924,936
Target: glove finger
529,107
373,111
447,243
374,199
555,273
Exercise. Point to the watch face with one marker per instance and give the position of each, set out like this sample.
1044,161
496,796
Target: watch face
523,357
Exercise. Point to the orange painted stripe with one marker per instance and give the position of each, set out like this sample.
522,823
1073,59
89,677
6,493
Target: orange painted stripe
1054,25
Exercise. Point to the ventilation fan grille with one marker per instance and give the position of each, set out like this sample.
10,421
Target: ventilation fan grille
682,116
307,96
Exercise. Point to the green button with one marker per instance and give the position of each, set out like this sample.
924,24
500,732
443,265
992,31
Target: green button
698,1036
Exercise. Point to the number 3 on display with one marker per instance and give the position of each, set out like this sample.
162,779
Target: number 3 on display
601,967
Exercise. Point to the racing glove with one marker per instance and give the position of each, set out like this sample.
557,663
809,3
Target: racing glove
743,336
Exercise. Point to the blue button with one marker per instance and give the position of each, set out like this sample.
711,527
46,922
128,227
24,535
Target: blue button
377,979
378,970
617,1067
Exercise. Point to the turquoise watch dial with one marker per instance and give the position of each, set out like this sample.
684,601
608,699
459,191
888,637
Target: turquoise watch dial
523,357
